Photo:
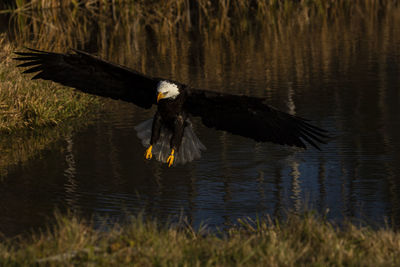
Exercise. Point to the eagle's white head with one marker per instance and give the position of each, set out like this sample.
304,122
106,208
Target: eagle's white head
167,89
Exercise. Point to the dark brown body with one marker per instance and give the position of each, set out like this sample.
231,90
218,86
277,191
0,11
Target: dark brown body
170,114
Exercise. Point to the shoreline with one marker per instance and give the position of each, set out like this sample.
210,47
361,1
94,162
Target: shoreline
34,114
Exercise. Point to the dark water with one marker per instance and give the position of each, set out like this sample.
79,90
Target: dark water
344,76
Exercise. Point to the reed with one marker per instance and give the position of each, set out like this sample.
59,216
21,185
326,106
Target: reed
305,240
223,16
138,34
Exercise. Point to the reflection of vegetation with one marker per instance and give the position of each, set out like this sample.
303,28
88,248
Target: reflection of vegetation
20,146
30,104
297,241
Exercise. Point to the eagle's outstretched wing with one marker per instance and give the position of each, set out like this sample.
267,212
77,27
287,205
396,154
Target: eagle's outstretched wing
251,117
92,75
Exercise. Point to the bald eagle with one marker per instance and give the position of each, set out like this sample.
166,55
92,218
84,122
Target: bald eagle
169,134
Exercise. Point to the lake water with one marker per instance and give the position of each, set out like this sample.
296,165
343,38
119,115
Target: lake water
343,74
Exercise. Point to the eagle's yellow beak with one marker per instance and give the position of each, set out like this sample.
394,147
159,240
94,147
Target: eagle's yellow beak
160,96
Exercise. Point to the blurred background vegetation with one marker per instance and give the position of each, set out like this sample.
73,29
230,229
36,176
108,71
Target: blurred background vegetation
223,17
128,31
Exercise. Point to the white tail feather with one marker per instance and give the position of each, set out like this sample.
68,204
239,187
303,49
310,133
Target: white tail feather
189,150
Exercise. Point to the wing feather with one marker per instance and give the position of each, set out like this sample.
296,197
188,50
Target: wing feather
251,117
92,75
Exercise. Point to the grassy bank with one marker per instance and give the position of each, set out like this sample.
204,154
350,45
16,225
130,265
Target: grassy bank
34,105
298,241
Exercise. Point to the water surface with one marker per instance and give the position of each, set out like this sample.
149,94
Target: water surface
343,74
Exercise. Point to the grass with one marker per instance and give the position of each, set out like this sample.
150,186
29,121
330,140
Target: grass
305,240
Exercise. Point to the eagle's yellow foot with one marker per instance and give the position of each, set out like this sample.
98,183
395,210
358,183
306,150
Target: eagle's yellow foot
170,159
148,154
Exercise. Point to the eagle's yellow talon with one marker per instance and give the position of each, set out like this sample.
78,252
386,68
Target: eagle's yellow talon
170,159
148,154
